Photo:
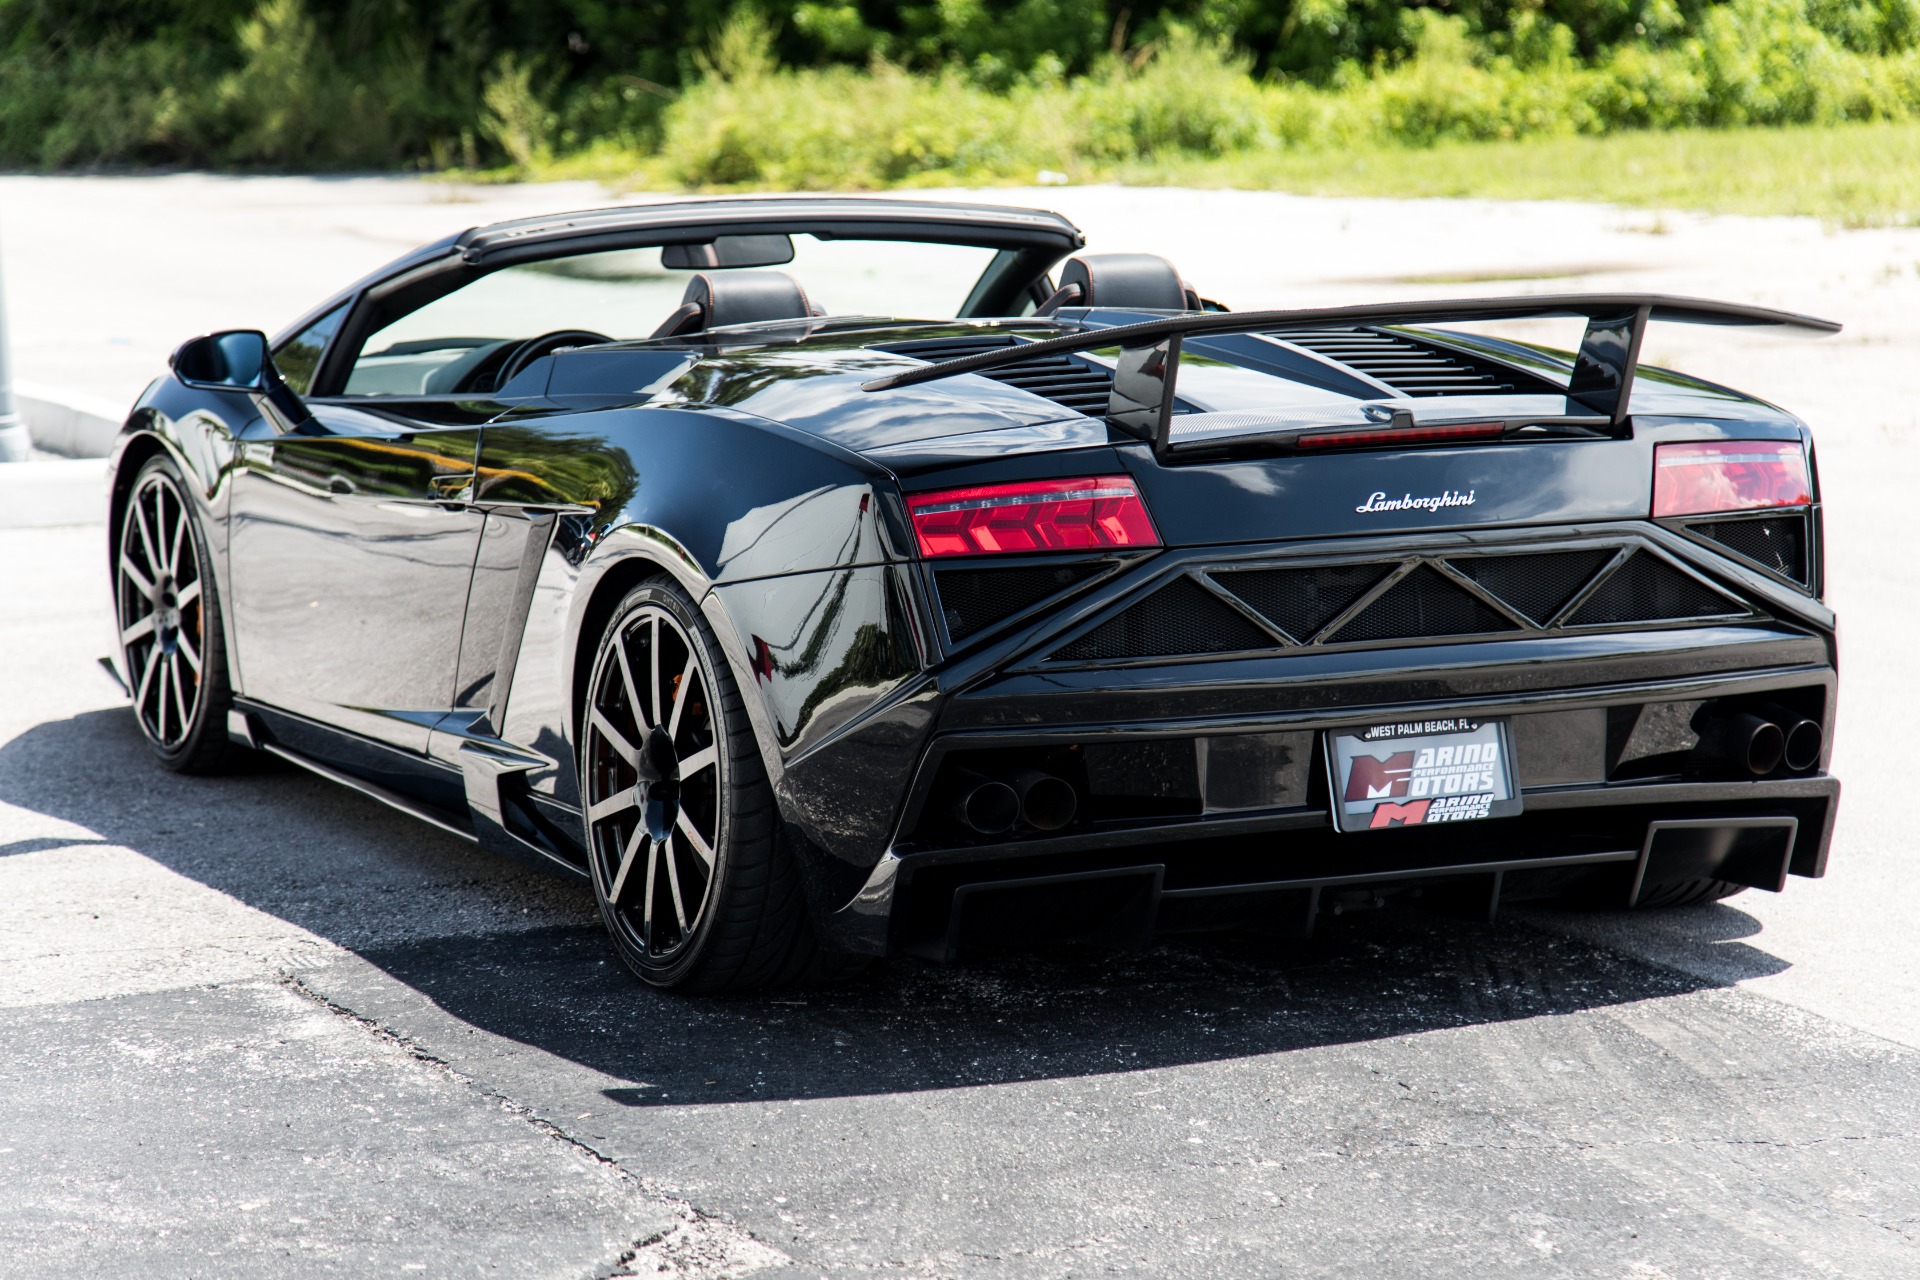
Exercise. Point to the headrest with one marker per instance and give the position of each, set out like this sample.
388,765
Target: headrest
1127,280
736,297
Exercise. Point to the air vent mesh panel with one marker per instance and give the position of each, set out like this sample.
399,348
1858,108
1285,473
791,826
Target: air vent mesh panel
1067,380
1301,601
1182,617
1646,589
1538,586
1410,366
1778,543
973,599
1422,604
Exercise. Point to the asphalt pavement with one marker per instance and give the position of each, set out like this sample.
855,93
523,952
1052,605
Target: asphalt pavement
258,1025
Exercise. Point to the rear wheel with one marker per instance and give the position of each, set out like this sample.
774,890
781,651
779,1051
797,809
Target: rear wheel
1686,893
168,610
689,865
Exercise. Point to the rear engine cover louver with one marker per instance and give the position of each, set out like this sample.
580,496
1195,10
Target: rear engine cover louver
1413,367
1410,599
1078,384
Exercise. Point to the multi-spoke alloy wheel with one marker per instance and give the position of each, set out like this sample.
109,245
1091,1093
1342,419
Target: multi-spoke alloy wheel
169,632
691,866
655,779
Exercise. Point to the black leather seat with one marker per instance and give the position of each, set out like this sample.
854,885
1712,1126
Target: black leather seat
713,301
1128,281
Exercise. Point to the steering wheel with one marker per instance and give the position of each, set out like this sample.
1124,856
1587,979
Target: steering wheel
545,345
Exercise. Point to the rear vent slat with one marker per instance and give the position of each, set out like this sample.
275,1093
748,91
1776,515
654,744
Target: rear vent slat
1410,366
1080,385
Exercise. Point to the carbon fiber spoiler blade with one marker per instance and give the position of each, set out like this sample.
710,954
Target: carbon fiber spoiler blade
1150,350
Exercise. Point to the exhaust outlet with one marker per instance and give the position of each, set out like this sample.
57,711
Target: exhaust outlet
1804,740
1047,803
1746,740
985,806
1804,737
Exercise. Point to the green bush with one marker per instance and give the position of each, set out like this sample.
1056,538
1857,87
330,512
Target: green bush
852,93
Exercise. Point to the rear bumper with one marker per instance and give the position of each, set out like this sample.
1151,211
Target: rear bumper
1280,872
1588,825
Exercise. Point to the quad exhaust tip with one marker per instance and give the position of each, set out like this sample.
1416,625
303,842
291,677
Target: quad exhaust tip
1047,803
992,807
1763,741
986,805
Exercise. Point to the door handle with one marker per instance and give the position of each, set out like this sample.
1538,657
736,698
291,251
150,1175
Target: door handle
452,490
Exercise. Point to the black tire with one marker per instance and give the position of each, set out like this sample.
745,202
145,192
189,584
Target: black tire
1686,893
668,764
1653,897
167,609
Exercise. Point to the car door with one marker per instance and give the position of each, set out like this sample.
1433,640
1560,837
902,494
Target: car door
352,544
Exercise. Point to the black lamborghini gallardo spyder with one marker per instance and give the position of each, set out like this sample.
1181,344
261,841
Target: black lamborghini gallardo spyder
947,587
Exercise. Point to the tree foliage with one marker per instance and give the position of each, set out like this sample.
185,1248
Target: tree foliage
359,83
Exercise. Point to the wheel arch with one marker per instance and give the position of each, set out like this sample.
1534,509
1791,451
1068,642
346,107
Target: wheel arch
628,569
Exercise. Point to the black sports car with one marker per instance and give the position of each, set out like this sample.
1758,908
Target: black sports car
1077,607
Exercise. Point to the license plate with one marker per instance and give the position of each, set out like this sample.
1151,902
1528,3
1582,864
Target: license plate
1420,772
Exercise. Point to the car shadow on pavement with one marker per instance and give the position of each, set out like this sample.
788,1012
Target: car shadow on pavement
519,954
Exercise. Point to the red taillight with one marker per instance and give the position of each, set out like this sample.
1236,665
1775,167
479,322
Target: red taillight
1032,515
1728,475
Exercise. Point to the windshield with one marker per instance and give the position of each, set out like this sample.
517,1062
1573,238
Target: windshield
455,343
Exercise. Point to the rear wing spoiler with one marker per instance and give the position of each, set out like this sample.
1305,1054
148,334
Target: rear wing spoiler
1144,379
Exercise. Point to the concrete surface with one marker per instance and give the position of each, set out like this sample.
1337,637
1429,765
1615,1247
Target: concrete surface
1728,1091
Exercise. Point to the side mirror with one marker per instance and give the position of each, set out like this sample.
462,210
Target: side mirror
729,251
238,360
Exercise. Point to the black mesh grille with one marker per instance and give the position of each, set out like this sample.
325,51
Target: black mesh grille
1421,604
1301,601
1538,585
1181,617
1778,543
1410,366
975,598
1646,589
1080,385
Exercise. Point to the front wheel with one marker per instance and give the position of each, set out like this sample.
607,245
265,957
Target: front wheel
168,611
693,878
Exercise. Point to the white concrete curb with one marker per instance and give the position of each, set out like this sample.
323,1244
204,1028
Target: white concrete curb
47,492
68,422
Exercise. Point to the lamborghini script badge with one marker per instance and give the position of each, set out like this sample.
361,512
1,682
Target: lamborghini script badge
1407,502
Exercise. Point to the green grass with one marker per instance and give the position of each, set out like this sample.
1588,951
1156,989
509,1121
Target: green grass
1852,175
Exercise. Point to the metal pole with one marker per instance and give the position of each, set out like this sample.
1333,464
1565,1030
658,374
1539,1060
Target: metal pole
13,432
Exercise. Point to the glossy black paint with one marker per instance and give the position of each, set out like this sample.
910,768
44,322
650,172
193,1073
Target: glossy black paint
414,588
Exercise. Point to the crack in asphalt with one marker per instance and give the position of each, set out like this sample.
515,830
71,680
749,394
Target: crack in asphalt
699,1244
